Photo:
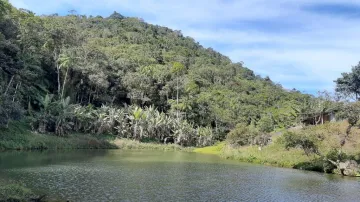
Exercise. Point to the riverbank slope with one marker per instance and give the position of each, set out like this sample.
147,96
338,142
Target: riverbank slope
275,154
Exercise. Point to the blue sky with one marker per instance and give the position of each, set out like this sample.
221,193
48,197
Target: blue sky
302,44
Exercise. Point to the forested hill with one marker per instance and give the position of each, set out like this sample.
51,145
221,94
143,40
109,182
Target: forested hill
118,61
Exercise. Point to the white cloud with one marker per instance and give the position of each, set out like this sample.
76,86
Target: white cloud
308,54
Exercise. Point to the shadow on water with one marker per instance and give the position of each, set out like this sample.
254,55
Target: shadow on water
314,165
19,159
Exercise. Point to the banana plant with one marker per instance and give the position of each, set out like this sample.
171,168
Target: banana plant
204,137
45,118
185,133
122,127
136,117
65,115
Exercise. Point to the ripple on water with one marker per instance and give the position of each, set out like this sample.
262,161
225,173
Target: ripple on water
169,176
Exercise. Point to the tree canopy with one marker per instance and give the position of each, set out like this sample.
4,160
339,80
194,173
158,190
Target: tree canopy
119,61
349,83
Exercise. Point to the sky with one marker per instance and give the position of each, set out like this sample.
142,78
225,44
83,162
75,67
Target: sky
302,44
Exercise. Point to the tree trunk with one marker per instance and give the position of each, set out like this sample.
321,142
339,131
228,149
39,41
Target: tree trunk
57,70
58,79
135,130
63,88
8,86
177,98
17,86
216,126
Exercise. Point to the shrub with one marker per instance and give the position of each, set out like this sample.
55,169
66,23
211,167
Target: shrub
242,135
307,142
335,155
266,124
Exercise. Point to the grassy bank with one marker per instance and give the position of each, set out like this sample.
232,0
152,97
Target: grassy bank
215,149
18,136
275,154
132,144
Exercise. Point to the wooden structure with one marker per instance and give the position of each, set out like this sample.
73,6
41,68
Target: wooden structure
319,118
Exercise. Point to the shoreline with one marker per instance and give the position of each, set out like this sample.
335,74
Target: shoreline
251,155
18,136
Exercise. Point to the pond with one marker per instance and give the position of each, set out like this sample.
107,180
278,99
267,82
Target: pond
120,175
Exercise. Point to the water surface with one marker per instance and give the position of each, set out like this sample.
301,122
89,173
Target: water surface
118,175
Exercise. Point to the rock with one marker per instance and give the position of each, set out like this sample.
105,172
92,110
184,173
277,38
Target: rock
347,168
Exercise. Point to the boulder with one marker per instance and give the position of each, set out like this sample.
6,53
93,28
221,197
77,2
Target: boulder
347,168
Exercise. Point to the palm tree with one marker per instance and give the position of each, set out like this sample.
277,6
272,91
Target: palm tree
64,61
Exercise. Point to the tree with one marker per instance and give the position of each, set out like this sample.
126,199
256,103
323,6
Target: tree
350,112
65,62
4,8
349,83
116,16
178,70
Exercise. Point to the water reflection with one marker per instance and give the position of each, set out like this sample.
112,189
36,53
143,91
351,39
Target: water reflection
168,176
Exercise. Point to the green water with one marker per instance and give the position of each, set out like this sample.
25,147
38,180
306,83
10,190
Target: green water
118,175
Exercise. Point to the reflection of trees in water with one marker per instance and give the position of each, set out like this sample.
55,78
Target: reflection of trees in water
16,159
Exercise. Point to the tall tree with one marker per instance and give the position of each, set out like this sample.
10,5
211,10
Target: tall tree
349,83
178,70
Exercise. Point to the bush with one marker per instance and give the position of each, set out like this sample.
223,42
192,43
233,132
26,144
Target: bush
307,142
266,124
335,155
242,135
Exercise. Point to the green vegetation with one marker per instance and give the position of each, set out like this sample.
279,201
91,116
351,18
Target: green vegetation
215,149
308,148
13,192
123,77
349,83
136,145
18,136
80,82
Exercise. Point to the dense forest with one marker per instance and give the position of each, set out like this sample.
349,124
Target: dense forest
122,76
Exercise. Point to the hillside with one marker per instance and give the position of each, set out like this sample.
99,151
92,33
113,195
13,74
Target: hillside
116,61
